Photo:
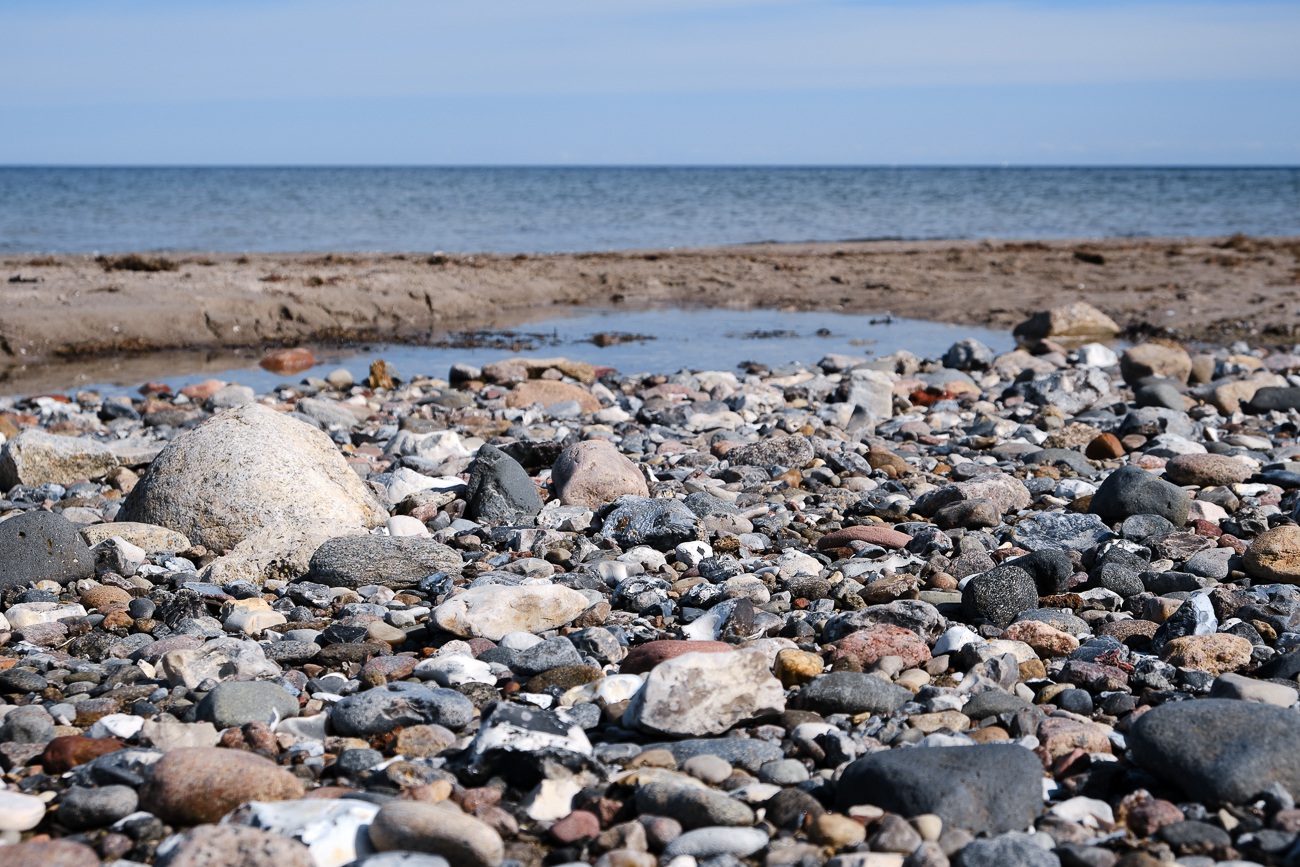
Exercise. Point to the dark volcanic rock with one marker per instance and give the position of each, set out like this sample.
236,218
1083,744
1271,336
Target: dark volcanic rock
661,524
852,693
1133,491
985,789
1000,594
1220,750
499,488
42,546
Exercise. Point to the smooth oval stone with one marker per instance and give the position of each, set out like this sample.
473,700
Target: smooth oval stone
708,842
194,785
986,789
413,826
1220,749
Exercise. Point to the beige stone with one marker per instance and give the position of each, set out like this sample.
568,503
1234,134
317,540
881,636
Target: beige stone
594,473
1274,555
1216,653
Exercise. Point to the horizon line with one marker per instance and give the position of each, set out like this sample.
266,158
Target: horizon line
793,165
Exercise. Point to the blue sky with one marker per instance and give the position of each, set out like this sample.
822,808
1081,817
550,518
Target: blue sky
632,81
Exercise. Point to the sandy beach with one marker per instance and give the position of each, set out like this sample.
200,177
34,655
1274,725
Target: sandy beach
1198,290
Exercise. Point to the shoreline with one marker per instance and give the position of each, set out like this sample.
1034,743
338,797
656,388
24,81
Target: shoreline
1209,290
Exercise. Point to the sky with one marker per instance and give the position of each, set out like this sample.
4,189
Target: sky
491,82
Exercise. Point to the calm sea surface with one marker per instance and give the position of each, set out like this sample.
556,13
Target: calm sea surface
570,209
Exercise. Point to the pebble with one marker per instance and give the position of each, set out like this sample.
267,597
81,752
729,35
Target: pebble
1219,749
212,845
48,853
705,693
42,546
672,601
495,610
593,472
81,808
215,485
985,789
239,702
378,710
20,812
409,826
198,785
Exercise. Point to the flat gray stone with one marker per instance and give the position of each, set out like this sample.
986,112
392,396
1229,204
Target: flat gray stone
390,561
986,789
1220,749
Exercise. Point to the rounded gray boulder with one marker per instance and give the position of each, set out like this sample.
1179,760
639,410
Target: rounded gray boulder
986,789
1220,750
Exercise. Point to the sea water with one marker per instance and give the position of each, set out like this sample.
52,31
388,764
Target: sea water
531,210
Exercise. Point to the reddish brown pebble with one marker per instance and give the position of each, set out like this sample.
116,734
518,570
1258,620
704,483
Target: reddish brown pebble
1209,529
193,785
645,657
389,668
578,825
201,391
289,360
1106,447
63,754
872,534
1227,540
1144,814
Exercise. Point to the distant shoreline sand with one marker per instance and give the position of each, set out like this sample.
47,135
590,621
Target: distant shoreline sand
1197,289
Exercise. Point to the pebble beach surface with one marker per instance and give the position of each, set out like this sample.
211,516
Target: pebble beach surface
1037,608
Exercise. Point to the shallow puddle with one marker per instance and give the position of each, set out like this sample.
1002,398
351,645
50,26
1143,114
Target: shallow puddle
631,341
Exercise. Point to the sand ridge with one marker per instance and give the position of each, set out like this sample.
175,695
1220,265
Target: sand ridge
1198,289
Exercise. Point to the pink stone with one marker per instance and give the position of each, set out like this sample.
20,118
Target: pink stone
874,534
578,825
645,657
868,645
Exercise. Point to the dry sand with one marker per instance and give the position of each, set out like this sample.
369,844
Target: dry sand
1209,290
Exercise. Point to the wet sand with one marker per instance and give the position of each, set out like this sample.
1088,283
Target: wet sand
1200,290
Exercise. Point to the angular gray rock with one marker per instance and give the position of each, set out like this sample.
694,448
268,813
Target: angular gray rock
499,488
42,546
985,789
390,561
379,710
209,845
852,693
221,659
1062,531
787,451
1133,491
1220,750
706,693
661,524
1070,391
1008,850
35,458
247,469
